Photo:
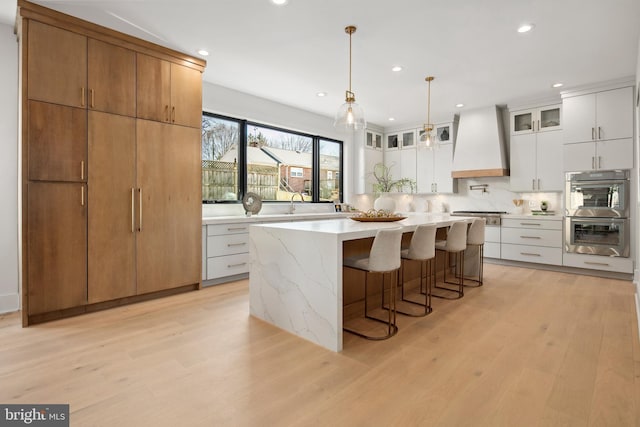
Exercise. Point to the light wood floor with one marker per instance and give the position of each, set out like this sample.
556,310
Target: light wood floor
529,348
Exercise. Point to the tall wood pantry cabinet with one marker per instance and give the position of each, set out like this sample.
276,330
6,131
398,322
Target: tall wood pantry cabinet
111,167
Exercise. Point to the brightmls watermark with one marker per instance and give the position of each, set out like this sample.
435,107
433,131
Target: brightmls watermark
34,415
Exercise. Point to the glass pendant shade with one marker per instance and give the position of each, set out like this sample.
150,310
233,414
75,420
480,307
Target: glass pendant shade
350,116
427,139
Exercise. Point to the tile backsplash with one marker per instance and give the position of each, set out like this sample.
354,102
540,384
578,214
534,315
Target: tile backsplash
497,197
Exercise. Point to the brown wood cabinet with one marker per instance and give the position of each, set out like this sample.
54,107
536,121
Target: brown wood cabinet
111,203
112,219
57,242
168,92
169,242
57,142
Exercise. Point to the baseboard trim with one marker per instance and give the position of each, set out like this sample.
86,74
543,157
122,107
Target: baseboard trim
561,269
9,303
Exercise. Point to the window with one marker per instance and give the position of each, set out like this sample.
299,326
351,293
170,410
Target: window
220,142
240,156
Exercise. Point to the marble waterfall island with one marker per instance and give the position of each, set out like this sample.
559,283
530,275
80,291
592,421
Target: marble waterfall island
295,277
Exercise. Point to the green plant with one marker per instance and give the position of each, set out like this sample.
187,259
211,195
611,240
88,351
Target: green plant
386,183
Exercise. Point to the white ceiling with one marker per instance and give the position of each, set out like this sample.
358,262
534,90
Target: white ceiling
290,53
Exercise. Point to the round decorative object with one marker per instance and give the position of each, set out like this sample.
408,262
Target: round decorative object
252,203
385,202
544,206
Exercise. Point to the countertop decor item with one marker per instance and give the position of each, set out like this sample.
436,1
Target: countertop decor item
252,203
377,215
544,205
518,203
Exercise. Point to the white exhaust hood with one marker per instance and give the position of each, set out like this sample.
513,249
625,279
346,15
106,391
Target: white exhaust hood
480,150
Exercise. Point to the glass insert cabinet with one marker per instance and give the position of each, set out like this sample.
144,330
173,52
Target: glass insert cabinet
533,120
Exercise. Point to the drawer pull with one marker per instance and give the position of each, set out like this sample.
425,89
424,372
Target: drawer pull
530,237
529,254
236,265
604,264
530,223
236,229
236,244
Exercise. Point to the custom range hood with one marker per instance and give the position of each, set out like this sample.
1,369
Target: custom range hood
480,150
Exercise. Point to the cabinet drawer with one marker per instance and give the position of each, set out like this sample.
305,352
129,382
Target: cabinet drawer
595,262
537,254
492,234
532,237
222,229
228,265
492,250
545,224
227,245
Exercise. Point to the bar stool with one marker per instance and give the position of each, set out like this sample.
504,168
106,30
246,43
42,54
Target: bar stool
475,239
384,259
421,249
456,244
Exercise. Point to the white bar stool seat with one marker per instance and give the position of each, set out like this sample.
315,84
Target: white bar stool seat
422,249
384,259
455,244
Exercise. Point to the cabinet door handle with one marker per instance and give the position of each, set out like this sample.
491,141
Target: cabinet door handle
530,223
140,209
533,125
529,254
82,170
82,196
599,162
593,162
604,264
593,133
538,125
93,98
82,97
530,237
236,265
173,114
538,183
533,184
230,245
166,113
133,215
599,132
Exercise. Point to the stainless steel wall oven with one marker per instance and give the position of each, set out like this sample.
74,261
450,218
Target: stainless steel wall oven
597,213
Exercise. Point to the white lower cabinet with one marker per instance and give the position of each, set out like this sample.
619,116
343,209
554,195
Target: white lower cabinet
227,250
492,241
532,240
595,262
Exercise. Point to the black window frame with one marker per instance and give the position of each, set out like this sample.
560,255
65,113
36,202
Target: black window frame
242,159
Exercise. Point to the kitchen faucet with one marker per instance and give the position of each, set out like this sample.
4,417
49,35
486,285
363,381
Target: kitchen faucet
292,208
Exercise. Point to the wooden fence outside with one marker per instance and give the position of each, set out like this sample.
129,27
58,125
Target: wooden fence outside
220,180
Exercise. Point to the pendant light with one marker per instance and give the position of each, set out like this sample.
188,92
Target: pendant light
350,116
427,140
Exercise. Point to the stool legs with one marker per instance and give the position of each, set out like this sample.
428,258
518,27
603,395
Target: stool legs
458,273
392,327
426,279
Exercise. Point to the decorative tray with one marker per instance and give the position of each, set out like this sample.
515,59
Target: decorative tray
381,219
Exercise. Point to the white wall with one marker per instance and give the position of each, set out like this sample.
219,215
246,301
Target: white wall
9,288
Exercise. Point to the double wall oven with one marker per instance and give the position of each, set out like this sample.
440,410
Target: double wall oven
597,213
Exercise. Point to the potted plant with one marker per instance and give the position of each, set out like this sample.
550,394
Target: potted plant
386,184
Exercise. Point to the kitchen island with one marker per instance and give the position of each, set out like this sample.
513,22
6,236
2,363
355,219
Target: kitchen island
295,276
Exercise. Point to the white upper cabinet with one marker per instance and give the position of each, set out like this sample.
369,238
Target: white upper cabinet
536,162
533,120
400,140
373,140
433,166
598,116
598,130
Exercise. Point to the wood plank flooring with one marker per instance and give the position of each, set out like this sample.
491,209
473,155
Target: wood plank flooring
530,348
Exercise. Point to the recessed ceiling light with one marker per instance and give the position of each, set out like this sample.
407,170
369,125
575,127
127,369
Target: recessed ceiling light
321,94
525,28
203,52
396,68
279,2
459,105
558,84
391,119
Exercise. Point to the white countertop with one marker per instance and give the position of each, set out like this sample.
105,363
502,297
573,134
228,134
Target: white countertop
233,219
348,229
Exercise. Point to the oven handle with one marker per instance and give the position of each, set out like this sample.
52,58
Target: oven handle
606,220
590,183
